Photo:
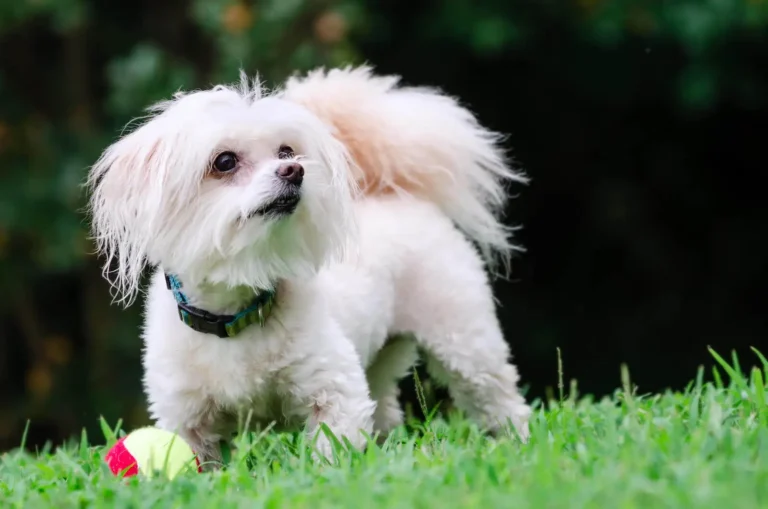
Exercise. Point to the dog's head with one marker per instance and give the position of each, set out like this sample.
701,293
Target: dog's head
223,186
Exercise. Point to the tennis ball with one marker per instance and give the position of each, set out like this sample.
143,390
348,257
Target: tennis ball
150,451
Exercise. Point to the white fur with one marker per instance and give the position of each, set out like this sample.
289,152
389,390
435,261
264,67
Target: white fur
433,183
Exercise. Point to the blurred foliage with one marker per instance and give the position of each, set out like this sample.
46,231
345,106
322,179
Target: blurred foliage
74,72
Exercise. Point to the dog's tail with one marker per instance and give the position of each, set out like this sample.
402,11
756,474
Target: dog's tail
416,141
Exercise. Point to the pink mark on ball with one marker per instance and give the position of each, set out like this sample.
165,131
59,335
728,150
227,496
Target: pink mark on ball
121,461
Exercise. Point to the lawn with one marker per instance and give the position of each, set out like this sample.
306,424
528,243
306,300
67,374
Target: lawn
706,447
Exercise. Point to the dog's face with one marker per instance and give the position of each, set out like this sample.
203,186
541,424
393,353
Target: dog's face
222,186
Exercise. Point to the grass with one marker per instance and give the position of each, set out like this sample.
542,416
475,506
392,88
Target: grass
706,447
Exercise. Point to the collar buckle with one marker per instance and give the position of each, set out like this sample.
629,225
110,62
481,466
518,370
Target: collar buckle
203,321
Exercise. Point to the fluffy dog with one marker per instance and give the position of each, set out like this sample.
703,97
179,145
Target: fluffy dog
307,242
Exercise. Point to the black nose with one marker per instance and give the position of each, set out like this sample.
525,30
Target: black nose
291,172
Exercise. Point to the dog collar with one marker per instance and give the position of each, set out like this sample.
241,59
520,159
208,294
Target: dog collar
223,326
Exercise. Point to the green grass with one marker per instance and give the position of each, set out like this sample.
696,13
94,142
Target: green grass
706,447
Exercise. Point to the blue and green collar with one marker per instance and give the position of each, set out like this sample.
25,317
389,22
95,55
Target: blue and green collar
223,326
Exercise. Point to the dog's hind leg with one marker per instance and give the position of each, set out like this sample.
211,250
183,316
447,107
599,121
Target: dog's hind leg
448,305
391,364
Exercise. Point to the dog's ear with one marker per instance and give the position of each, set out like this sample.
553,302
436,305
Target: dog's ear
126,185
336,224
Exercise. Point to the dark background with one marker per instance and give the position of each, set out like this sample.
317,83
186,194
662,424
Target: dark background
643,126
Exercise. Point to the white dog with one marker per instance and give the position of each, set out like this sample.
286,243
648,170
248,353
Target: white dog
306,242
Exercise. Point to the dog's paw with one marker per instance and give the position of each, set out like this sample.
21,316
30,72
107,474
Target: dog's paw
514,425
323,448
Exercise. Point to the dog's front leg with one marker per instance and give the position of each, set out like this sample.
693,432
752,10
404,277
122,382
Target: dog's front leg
330,387
206,445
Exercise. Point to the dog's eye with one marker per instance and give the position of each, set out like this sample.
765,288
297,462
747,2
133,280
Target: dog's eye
224,162
285,152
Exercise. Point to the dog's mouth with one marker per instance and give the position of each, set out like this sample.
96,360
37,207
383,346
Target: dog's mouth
283,205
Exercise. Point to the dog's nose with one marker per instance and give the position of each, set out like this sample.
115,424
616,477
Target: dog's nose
291,172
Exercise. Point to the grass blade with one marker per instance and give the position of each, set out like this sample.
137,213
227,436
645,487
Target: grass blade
25,435
735,376
760,403
763,360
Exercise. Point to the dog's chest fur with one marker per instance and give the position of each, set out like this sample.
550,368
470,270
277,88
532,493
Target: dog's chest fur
238,376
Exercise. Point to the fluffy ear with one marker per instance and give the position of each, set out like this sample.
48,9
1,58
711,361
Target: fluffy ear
126,185
338,228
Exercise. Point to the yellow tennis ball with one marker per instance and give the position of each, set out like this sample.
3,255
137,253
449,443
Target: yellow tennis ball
150,451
